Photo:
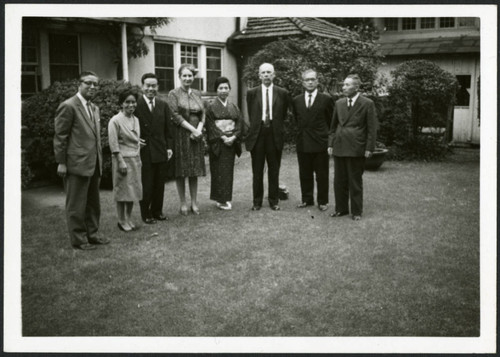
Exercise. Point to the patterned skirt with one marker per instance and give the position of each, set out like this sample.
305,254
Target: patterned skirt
189,155
127,188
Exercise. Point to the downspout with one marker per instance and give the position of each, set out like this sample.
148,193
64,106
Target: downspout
124,52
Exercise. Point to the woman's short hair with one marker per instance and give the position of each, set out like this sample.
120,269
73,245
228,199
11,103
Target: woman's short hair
219,81
126,93
189,67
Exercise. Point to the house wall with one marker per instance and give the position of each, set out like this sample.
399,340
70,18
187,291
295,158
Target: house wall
196,31
466,127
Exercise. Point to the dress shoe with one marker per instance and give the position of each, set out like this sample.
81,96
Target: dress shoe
356,218
303,205
339,214
323,207
149,220
161,217
256,207
97,241
85,246
123,228
275,208
183,210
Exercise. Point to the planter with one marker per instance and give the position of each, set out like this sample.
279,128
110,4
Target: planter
373,163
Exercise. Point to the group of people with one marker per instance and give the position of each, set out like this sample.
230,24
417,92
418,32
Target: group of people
150,137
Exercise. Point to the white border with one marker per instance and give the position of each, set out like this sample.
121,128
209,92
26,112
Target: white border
13,340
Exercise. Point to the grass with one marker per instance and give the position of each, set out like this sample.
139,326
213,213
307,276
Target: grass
409,268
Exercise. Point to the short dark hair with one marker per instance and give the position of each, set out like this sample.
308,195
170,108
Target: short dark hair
148,75
219,81
85,74
123,95
189,67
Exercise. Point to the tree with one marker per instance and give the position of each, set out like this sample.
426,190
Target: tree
332,59
363,26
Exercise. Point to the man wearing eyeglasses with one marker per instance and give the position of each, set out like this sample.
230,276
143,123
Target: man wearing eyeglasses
77,148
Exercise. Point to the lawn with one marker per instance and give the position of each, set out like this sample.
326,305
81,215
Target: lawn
410,267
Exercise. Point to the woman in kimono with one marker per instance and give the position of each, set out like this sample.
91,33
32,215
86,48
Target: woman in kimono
224,123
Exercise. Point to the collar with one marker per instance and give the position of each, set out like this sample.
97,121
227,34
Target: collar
83,100
354,99
148,100
264,87
223,103
313,94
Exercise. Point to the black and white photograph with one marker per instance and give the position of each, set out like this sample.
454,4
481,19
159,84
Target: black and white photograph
250,178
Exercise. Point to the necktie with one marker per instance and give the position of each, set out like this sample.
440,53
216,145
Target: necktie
309,104
151,105
267,120
349,106
91,114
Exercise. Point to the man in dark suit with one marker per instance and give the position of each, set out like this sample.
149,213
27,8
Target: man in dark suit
267,109
352,139
154,119
313,114
77,149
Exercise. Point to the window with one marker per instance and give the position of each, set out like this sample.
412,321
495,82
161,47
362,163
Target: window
214,67
463,93
30,79
64,57
427,22
189,54
169,56
391,24
409,23
445,22
164,66
466,21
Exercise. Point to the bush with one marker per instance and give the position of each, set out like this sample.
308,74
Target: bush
425,148
419,96
38,113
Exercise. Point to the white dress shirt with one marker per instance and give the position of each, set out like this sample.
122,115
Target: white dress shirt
313,97
264,88
148,101
84,102
353,99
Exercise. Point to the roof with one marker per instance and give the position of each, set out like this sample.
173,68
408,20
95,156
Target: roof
267,27
462,44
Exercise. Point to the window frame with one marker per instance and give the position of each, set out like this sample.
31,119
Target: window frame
202,58
79,55
161,89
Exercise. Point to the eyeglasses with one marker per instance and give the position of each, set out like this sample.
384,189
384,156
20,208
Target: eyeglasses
90,83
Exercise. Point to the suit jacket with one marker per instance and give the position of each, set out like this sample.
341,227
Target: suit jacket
312,123
280,105
155,130
77,140
354,131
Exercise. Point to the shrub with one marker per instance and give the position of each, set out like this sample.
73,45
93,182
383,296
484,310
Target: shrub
419,96
424,148
38,113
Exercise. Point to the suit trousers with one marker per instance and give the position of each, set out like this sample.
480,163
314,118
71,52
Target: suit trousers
153,188
311,163
265,151
83,208
348,183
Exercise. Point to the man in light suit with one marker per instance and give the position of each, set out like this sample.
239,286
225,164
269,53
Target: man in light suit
352,139
154,119
77,148
267,110
313,114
